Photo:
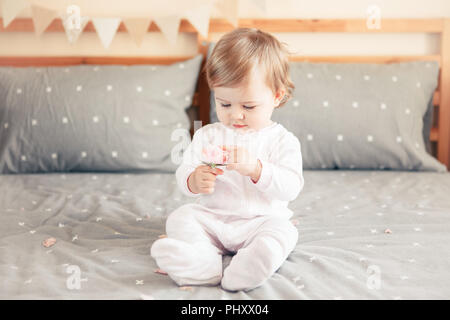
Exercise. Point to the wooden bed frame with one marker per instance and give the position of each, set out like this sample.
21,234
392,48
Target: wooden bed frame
440,133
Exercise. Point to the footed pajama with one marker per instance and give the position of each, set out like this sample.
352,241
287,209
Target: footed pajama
241,217
197,238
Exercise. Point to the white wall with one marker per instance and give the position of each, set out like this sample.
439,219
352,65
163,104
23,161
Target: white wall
306,43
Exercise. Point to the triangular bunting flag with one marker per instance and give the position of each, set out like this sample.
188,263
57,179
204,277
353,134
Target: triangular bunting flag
106,29
11,8
229,9
169,26
137,27
72,32
261,4
42,17
198,16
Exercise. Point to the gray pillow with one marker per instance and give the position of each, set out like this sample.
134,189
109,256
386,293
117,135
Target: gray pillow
362,116
93,118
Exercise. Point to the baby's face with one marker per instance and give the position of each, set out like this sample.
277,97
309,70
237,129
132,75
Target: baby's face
250,105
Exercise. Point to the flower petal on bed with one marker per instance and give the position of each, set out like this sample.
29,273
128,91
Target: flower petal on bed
160,272
49,242
186,288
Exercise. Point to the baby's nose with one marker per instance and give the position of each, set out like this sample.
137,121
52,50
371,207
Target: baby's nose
238,115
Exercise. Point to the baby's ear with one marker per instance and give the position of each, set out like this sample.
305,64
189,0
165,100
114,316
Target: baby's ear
279,97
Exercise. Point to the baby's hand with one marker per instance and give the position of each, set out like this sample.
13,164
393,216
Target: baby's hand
203,179
242,161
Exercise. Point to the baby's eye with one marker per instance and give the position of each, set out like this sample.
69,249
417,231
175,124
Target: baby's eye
248,107
225,105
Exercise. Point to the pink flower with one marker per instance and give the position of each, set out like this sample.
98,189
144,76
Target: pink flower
214,154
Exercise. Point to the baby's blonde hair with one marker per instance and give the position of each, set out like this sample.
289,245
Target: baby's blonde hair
238,51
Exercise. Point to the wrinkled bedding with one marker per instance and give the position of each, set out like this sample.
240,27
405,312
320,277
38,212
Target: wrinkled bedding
362,235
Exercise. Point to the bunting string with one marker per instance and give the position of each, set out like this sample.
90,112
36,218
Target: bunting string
197,12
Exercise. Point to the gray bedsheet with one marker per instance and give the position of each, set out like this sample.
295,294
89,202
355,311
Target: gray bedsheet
104,225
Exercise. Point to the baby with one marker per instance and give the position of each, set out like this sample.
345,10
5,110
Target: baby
240,209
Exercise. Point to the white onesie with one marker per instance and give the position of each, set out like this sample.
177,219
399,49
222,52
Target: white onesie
240,216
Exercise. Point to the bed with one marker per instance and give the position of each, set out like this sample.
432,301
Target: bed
363,234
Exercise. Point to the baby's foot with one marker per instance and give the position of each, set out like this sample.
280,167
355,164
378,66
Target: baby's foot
188,264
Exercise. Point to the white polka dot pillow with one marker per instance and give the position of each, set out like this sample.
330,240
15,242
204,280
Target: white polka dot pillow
362,116
93,118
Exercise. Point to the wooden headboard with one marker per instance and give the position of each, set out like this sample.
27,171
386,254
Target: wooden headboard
440,133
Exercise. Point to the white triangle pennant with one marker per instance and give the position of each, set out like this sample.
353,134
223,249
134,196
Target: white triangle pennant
199,17
169,26
71,27
106,29
137,27
42,17
229,9
261,4
11,8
